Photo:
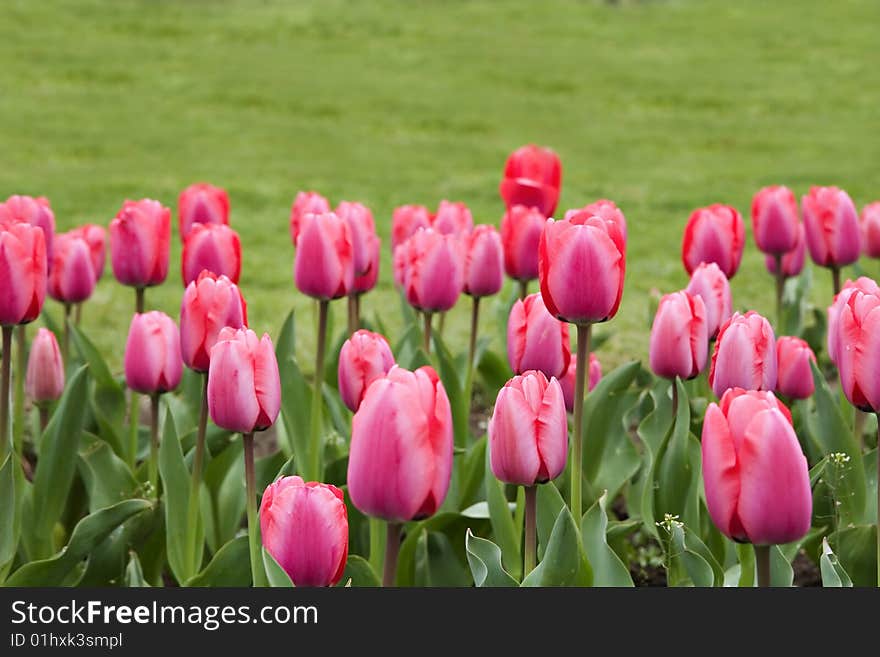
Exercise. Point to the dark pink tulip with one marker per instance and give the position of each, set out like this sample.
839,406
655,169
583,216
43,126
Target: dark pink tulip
521,229
568,381
363,229
364,358
536,340
140,239
870,222
714,234
324,263
33,211
22,273
212,247
201,203
528,432
153,363
367,281
304,526
483,275
744,356
532,177
679,336
431,267
832,227
775,220
305,203
406,220
858,349
793,261
709,283
606,209
96,237
72,272
400,462
754,472
794,377
452,218
210,304
862,284
44,382
244,387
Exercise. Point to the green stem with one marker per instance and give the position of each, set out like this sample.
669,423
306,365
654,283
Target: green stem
18,398
762,560
195,488
392,549
523,289
77,316
472,354
133,421
4,392
154,444
258,575
583,364
859,427
353,319
427,333
44,418
530,558
65,340
441,324
377,543
674,399
780,289
835,279
139,300
316,444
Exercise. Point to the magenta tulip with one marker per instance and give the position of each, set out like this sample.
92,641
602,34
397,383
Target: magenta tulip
532,177
744,356
367,281
605,209
210,304
96,237
521,229
72,275
714,234
483,275
22,273
858,348
775,220
140,238
212,247
711,285
432,270
568,381
870,223
452,218
364,358
406,220
536,340
324,263
363,229
793,261
153,363
679,336
794,376
33,211
832,227
305,203
862,284
201,203
44,382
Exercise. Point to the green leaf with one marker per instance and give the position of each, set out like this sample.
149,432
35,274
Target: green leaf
275,574
686,565
359,573
484,559
856,549
608,569
564,562
225,500
134,574
436,563
781,572
494,370
10,512
453,384
833,573
107,478
296,404
503,529
549,503
231,566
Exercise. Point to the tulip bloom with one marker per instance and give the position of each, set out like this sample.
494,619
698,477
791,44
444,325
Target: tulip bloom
483,262
832,227
305,203
212,247
432,270
96,237
140,238
363,228
794,375
862,284
793,261
400,462
858,348
528,432
153,363
22,273
568,381
714,234
33,211
367,281
405,221
452,218
210,304
755,474
304,526
521,229
870,223
709,283
324,263
679,336
364,358
72,275
201,203
532,177
605,209
744,356
536,340
775,220
45,370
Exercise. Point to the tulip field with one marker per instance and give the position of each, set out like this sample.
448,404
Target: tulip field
349,295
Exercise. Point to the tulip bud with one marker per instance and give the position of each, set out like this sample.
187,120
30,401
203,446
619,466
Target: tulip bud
364,358
862,284
754,472
72,273
324,263
363,228
153,363
711,285
568,381
832,227
794,375
96,237
775,220
483,262
744,356
521,229
400,462
679,336
367,281
870,223
605,209
858,336
536,340
406,220
431,269
452,219
33,211
23,263
304,526
714,234
44,382
793,261
528,432
210,304
532,177
305,203
212,247
140,238
201,203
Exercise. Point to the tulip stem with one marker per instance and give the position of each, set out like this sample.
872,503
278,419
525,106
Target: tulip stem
780,290
835,279
78,314
154,443
523,289
530,553
762,559
427,334
674,399
44,418
583,351
441,324
377,545
392,549
65,346
139,300
192,517
472,354
133,421
257,572
353,319
316,447
18,398
4,392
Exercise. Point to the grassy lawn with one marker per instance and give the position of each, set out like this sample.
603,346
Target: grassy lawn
661,106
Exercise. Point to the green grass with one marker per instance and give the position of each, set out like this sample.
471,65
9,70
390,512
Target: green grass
661,106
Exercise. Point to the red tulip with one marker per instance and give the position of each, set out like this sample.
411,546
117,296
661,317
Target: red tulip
536,340
363,229
400,462
153,363
532,177
201,203
367,281
521,229
858,348
210,304
304,526
324,263
483,262
755,474
606,209
33,211
775,220
44,382
793,261
870,223
96,237
862,284
528,432
679,336
568,381
305,203
72,272
431,270
744,356
709,283
244,388
140,238
832,227
364,358
452,219
22,273
212,247
794,376
407,219
714,234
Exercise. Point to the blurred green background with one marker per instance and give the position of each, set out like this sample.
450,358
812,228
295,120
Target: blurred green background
661,106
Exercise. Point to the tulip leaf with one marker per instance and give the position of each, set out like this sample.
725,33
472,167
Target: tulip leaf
359,573
549,503
231,566
296,404
494,370
856,549
452,383
10,511
503,529
436,563
484,559
450,524
471,470
107,560
223,500
833,573
275,574
564,562
608,569
689,562
134,574
781,572
107,478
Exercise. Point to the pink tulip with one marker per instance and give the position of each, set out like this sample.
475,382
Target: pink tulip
870,223
483,275
140,238
794,378
72,272
714,234
304,526
744,356
431,267
832,227
568,381
775,220
22,273
33,211
153,363
400,462
521,229
532,177
96,237
324,263
363,229
711,285
44,382
364,358
210,304
858,348
536,340
528,432
754,472
862,284
212,247
244,387
452,219
679,336
201,203
407,219
305,203
367,281
605,209
793,261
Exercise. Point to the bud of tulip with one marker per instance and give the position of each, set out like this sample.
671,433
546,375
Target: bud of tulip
532,177
536,340
754,472
679,336
793,261
711,285
605,209
367,281
140,238
406,220
72,273
775,220
201,203
363,228
45,370
714,234
305,203
23,261
210,304
304,526
858,336
568,381
400,462
832,227
431,270
528,432
33,211
212,247
744,356
324,262
364,357
152,353
452,219
870,223
483,261
96,237
521,229
794,376
862,284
